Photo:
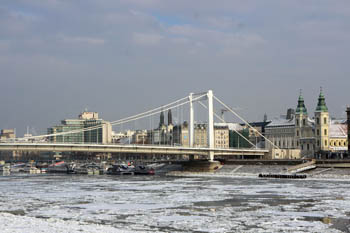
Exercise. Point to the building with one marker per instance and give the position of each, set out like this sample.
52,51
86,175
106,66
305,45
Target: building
7,134
101,130
281,133
200,135
301,136
221,136
140,137
239,138
348,124
338,138
181,135
256,129
238,135
122,137
163,135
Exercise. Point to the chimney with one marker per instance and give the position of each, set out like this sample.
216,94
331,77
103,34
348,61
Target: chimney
348,123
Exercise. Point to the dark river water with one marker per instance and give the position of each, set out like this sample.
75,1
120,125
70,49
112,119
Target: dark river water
72,203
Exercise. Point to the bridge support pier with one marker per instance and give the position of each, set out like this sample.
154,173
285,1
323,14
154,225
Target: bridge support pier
211,156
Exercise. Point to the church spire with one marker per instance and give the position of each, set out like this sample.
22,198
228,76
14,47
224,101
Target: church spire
161,120
301,109
170,118
321,105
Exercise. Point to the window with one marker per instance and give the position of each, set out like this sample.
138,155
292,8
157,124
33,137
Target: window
297,133
325,142
318,132
304,122
297,122
302,147
325,132
308,146
318,143
317,120
325,120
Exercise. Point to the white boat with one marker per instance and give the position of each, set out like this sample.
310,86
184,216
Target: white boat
5,168
18,167
31,169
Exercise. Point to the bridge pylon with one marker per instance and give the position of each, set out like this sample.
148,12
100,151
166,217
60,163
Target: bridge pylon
210,124
191,139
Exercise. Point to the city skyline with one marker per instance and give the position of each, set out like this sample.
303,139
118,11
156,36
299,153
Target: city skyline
122,57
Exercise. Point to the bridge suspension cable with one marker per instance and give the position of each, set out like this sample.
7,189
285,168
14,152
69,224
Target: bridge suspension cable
125,120
242,119
221,119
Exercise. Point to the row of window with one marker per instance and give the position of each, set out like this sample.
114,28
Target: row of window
325,143
324,132
286,144
221,142
339,143
298,122
307,147
318,120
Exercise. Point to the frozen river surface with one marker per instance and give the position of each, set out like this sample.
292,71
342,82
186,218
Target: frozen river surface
62,203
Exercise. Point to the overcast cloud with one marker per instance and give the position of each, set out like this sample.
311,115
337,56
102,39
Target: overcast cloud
120,57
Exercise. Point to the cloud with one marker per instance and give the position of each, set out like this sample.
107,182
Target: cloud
15,22
225,46
222,22
82,40
217,39
147,38
5,45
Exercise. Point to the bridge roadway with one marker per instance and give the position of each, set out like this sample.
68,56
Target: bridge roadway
133,148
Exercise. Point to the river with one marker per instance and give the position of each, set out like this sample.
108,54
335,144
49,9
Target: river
73,203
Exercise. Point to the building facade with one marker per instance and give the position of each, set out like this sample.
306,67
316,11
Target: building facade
101,132
7,134
221,136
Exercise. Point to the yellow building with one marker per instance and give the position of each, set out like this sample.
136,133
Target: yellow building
338,140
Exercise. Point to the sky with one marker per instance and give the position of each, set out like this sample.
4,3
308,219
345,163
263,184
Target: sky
122,57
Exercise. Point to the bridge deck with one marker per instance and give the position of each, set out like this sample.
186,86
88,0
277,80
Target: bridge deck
115,148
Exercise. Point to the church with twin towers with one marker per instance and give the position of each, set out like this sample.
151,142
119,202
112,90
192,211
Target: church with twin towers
299,134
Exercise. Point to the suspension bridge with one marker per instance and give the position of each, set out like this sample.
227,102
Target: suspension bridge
210,151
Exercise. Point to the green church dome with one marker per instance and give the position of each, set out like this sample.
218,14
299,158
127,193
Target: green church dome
301,109
321,105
